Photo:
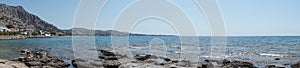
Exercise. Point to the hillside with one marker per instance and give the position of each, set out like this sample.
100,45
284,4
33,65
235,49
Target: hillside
20,18
90,32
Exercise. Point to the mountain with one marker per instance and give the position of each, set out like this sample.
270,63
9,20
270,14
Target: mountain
20,18
90,32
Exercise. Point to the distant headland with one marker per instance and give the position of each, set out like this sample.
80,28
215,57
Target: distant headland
17,23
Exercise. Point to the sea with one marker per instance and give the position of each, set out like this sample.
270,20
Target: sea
260,50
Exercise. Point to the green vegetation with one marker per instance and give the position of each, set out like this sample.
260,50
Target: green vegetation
9,33
34,33
53,33
10,26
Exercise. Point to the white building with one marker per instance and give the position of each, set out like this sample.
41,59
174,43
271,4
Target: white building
47,35
24,33
4,28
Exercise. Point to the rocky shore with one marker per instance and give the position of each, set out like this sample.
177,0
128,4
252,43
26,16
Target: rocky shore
11,64
108,59
34,59
111,60
12,37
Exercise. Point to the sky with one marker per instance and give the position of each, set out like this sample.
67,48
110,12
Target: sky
242,17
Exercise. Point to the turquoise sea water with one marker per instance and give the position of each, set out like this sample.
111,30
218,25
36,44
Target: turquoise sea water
260,50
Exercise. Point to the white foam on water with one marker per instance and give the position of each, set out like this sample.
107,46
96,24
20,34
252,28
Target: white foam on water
270,54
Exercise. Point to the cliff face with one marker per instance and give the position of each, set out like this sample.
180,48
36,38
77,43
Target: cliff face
20,18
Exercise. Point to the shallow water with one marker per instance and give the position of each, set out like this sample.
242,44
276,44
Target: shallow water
261,50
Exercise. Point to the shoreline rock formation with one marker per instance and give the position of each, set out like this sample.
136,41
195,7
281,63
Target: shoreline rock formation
11,64
14,37
107,59
112,60
40,59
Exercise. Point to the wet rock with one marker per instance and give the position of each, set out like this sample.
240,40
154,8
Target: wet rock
110,60
11,64
242,64
173,67
39,59
274,66
167,59
140,65
81,63
206,65
108,57
111,63
237,64
107,53
183,63
206,60
174,61
270,66
142,57
33,63
75,63
277,58
57,64
157,61
25,51
225,62
297,65
97,63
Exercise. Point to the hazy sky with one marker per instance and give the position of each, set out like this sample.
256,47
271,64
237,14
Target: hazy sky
242,17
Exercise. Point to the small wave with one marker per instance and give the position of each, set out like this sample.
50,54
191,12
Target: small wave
270,54
277,55
137,47
244,53
262,54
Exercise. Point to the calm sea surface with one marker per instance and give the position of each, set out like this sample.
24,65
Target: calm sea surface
260,50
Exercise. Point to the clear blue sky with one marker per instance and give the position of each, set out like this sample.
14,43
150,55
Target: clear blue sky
242,17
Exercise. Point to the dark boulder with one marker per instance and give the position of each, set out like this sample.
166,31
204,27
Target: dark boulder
142,57
237,64
81,63
108,57
97,63
107,53
297,65
274,66
40,59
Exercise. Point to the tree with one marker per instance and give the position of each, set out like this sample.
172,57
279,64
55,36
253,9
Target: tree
34,33
10,26
53,33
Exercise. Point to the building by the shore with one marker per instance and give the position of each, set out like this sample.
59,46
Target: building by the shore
3,29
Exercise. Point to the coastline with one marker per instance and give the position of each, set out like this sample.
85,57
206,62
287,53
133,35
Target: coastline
109,59
14,37
60,51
